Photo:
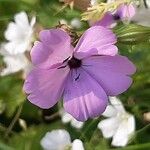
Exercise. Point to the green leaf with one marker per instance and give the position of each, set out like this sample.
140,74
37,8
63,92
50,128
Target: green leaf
11,93
132,34
5,147
89,128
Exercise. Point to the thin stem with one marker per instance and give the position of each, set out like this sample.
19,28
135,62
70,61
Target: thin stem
15,119
89,127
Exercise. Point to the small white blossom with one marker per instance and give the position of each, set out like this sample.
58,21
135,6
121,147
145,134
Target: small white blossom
77,145
66,118
60,140
120,125
19,34
14,62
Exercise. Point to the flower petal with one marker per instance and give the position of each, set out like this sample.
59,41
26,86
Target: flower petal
14,64
110,111
102,43
17,47
116,64
55,47
45,87
108,126
125,131
21,20
83,99
77,145
131,124
106,21
12,32
111,75
56,139
121,136
17,30
77,124
117,104
65,117
126,11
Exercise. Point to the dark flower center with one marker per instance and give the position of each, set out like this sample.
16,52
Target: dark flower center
116,17
74,63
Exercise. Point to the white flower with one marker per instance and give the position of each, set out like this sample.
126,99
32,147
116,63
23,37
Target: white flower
60,140
19,34
14,63
66,118
77,145
120,125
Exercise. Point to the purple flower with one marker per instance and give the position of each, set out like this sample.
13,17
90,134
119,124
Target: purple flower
85,75
123,12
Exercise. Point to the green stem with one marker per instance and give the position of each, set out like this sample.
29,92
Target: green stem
90,127
15,119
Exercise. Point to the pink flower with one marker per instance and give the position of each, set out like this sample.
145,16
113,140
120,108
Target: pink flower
85,75
124,12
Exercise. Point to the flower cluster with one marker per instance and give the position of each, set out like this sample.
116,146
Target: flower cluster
19,35
120,124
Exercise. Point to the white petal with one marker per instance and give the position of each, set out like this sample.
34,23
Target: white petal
12,32
130,124
17,47
77,145
66,118
121,137
14,64
77,124
56,140
117,104
21,20
110,111
109,126
125,131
